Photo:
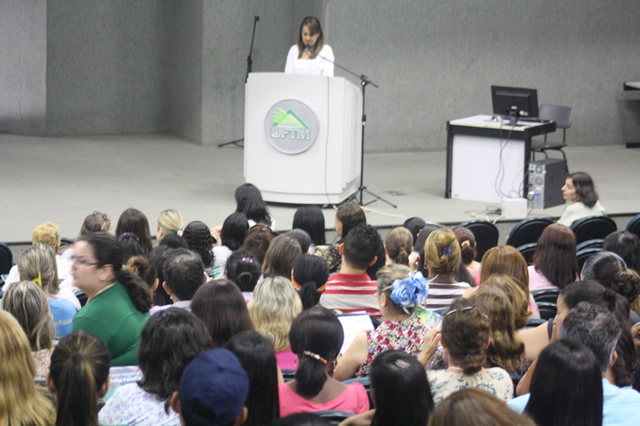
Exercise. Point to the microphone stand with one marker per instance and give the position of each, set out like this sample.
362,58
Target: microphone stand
364,82
249,67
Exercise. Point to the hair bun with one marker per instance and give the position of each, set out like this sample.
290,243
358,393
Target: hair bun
609,294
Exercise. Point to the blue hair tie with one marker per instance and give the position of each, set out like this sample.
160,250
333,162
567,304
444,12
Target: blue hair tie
446,250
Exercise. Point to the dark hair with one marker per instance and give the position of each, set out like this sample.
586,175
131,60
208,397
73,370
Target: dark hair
108,251
467,241
143,268
555,256
310,219
173,241
610,270
257,241
220,305
134,221
400,389
249,201
566,386
243,269
79,368
199,239
131,245
234,229
183,273
157,257
311,274
361,246
465,333
316,331
414,225
281,254
314,28
302,237
585,189
350,215
398,244
257,357
626,245
168,342
381,260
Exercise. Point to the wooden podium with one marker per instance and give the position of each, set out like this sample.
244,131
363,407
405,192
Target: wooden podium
302,137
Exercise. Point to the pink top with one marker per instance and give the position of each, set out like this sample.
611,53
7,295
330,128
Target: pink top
287,360
537,281
354,400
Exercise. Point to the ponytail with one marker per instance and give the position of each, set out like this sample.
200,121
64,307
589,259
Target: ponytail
138,291
310,375
309,295
627,285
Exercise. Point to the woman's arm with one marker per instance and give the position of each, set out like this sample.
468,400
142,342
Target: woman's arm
430,345
355,356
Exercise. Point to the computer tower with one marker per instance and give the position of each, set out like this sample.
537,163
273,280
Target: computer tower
546,179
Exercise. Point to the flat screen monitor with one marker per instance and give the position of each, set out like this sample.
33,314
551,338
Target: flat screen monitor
514,102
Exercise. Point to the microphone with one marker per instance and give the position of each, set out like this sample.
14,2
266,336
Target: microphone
307,47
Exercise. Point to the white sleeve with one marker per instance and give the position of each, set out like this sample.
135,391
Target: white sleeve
327,67
291,58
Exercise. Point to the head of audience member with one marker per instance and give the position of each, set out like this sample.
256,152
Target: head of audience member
360,249
255,353
199,399
472,406
516,296
274,305
312,25
134,221
183,274
505,349
157,257
310,219
280,256
309,276
97,264
38,264
626,245
400,390
198,238
442,252
381,260
506,260
579,187
610,270
27,302
95,222
466,332
169,222
414,225
468,245
395,278
47,233
234,230
418,248
316,338
257,241
131,244
555,255
302,237
169,341
398,245
249,201
243,269
462,274
566,386
79,377
143,268
220,305
348,216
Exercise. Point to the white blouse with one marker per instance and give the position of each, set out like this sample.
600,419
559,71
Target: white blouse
317,66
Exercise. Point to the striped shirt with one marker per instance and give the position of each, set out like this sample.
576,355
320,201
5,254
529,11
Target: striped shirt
351,293
441,295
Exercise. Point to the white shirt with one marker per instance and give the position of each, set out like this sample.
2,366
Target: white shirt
578,210
317,66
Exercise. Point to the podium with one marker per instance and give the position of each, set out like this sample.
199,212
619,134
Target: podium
302,137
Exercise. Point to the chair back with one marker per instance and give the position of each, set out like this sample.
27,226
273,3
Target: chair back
563,116
595,243
548,295
584,254
527,251
6,259
634,225
335,417
527,231
593,227
486,234
547,310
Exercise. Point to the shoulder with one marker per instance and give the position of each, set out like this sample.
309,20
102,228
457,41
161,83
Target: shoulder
498,373
293,50
326,50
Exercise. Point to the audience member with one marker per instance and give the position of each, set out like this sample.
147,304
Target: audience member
414,225
381,260
417,261
249,201
309,276
257,241
302,237
243,269
579,189
143,268
183,276
348,216
468,252
134,221
554,263
626,245
131,244
95,222
311,219
173,241
398,245
516,296
199,240
232,235
157,257
169,222
281,254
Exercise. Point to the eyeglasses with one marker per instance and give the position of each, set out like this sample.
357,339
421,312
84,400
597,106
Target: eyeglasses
82,262
465,309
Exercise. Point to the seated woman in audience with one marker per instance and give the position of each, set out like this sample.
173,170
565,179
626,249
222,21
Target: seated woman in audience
465,338
220,305
566,386
169,341
199,240
506,260
95,222
316,338
257,241
398,245
309,276
281,254
348,216
131,244
554,263
255,353
118,301
416,258
140,266
274,305
579,189
78,378
399,294
169,222
414,225
442,257
28,304
134,221
302,237
249,202
234,230
516,296
22,402
468,251
243,269
626,245
157,257
311,219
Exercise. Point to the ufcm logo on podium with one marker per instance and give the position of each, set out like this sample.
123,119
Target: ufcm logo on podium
291,126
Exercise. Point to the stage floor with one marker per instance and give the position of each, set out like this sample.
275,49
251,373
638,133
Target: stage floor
64,179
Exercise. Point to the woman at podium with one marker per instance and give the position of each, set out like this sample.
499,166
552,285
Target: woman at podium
311,55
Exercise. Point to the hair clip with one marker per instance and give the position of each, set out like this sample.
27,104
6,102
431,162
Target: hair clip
446,250
38,280
247,259
315,356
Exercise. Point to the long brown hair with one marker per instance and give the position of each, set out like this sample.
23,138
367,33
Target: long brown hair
314,28
506,260
555,256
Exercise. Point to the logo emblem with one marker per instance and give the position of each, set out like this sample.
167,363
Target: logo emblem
291,126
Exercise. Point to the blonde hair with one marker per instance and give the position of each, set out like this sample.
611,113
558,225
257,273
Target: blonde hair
171,221
386,277
274,305
28,304
21,400
38,264
399,244
442,251
48,233
517,297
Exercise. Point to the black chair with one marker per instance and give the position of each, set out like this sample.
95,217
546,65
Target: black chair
527,231
64,241
583,255
6,259
548,295
563,116
596,243
288,375
335,417
593,227
634,225
547,310
486,235
527,251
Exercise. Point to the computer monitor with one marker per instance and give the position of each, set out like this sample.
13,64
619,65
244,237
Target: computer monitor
514,102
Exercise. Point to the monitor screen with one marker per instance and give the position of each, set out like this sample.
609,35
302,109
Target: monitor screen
514,101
